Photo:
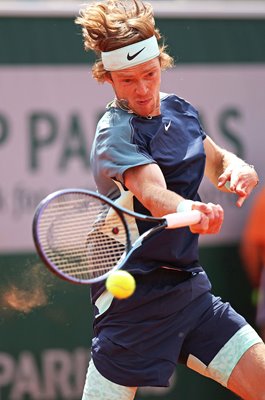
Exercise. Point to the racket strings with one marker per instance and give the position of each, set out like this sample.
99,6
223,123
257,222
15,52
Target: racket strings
82,237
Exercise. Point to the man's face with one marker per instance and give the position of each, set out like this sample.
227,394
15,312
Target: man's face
140,86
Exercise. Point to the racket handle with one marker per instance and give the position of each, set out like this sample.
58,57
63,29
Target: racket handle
185,218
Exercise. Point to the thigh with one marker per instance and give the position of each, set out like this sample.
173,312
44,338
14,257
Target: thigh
218,341
247,378
97,387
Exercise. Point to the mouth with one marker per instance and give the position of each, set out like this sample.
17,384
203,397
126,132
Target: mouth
143,102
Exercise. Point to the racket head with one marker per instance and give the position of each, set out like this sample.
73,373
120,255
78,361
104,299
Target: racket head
80,236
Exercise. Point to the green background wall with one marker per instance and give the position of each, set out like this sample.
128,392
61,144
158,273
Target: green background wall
58,40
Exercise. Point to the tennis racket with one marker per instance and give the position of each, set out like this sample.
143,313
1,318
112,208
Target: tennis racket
83,236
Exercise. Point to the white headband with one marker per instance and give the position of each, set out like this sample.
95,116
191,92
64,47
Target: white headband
133,54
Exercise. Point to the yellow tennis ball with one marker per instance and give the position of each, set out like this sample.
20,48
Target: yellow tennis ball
121,284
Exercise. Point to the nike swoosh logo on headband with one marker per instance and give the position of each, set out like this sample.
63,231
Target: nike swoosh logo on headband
131,57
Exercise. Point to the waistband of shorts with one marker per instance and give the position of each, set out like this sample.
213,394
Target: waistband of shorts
165,275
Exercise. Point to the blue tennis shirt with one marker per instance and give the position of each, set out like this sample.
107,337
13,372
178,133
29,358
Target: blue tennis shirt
174,141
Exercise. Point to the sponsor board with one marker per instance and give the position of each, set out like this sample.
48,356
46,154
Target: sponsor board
48,116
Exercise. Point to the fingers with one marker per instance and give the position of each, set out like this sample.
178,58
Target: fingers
240,180
241,200
212,218
223,179
242,190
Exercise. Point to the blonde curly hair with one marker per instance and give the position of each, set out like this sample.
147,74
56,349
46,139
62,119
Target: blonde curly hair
112,24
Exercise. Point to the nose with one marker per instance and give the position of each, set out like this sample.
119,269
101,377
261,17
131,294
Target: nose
141,87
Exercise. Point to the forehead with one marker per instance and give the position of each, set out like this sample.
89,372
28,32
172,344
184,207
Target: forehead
139,69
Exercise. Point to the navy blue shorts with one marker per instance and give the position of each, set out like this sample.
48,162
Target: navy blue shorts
140,340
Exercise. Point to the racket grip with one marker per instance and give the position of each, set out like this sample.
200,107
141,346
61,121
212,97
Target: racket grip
185,218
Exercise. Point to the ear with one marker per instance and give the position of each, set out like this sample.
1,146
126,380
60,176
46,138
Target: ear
108,78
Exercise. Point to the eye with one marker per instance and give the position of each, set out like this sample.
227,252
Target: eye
126,80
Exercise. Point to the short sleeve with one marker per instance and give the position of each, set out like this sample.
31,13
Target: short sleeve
196,114
114,151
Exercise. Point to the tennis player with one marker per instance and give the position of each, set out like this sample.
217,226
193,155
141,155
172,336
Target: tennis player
150,153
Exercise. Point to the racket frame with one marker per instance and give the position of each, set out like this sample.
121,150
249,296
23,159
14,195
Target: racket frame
35,229
162,223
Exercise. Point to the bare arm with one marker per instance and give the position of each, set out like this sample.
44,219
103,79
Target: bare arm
223,166
148,185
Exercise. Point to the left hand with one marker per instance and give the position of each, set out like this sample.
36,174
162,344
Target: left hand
242,178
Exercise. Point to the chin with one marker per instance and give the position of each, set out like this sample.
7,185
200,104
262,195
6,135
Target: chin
143,112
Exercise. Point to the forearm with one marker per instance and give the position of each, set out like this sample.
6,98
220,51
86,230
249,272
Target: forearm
148,186
219,160
160,201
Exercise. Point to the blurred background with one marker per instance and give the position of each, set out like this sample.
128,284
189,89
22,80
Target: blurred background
49,107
